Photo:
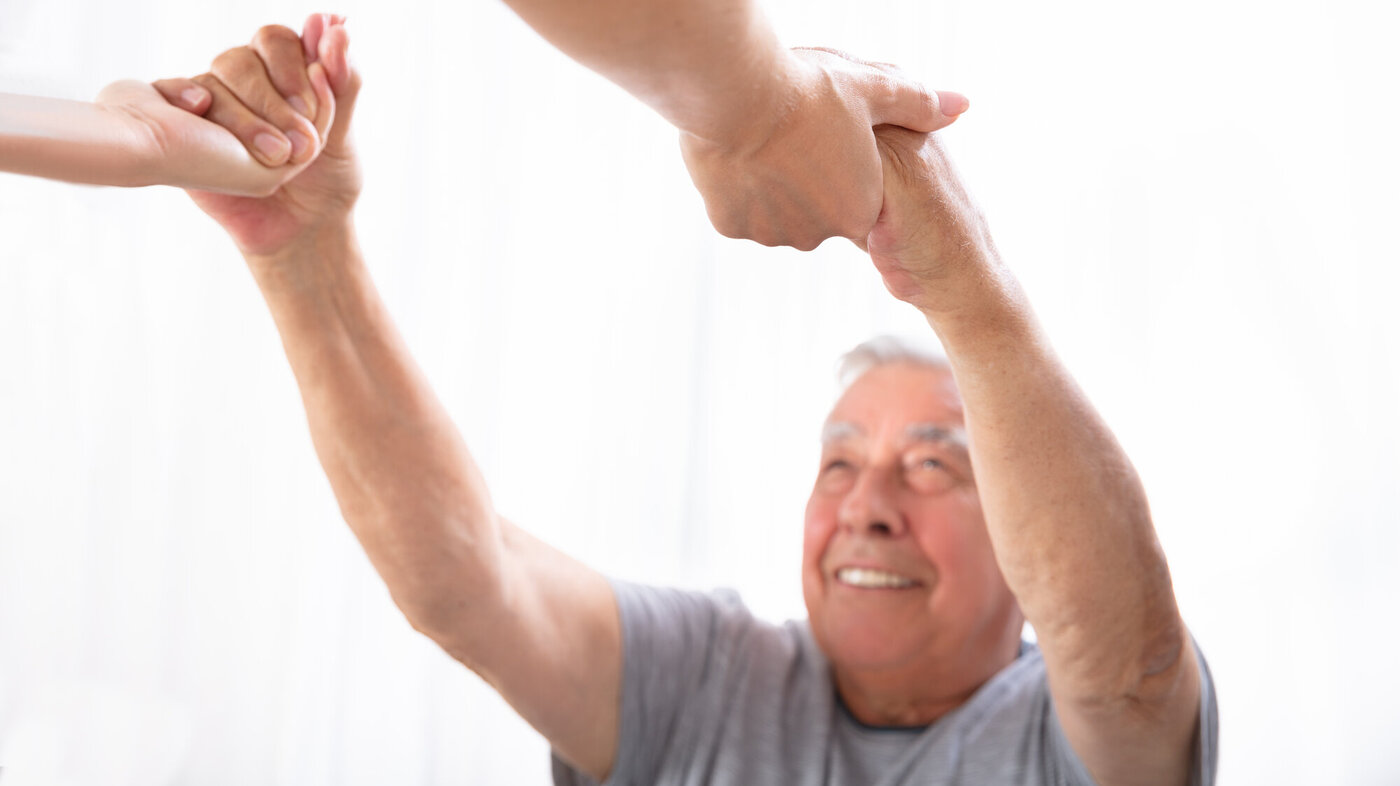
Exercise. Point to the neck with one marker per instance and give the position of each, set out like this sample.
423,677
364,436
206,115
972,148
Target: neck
918,694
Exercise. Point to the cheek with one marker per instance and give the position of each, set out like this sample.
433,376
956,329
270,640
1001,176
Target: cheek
816,533
818,526
957,542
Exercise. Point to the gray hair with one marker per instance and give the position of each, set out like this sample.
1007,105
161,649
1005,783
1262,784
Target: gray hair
887,350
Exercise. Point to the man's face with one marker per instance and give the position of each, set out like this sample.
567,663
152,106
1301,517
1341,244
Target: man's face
897,569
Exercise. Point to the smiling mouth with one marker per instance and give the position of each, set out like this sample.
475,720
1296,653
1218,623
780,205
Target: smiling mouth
870,578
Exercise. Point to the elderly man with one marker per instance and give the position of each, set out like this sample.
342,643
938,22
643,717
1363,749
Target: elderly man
954,502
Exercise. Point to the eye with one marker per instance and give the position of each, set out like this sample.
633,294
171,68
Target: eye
835,464
929,474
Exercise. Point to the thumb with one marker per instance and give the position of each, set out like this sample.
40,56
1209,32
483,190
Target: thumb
898,101
343,80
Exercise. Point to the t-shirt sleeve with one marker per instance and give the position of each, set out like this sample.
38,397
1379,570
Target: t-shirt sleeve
1065,763
1207,748
672,642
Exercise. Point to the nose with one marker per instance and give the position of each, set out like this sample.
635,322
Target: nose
869,507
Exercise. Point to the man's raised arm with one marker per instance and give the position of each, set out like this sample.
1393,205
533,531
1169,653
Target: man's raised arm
1065,510
778,142
540,627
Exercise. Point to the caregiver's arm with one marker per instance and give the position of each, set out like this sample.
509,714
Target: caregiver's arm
540,627
779,142
137,134
1065,510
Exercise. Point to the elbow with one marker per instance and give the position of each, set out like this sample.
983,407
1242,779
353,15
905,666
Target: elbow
1154,672
443,578
1167,659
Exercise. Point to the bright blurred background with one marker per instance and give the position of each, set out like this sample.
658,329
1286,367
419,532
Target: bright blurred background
1199,196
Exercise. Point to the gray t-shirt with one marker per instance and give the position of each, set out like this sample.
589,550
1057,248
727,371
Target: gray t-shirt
712,696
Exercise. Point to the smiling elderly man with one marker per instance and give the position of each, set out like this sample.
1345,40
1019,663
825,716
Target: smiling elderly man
952,504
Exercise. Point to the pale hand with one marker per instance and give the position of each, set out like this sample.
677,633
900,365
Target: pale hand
179,148
810,170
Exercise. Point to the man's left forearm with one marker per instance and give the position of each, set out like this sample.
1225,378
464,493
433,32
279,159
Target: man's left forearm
1065,509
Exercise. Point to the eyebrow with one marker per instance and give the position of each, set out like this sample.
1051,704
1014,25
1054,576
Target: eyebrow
928,432
839,430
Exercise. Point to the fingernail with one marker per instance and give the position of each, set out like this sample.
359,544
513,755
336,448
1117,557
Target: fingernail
300,106
192,96
272,147
299,143
952,104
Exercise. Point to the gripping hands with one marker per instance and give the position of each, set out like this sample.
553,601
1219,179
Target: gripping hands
810,169
285,102
261,139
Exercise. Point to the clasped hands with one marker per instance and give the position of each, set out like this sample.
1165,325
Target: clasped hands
267,127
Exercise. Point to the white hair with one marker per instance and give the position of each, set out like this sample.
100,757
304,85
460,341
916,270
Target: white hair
887,350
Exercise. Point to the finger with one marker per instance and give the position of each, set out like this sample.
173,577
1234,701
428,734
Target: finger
344,81
311,36
242,72
325,100
264,141
184,93
333,52
284,60
895,100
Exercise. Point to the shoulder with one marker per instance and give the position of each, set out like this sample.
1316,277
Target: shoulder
708,688
711,616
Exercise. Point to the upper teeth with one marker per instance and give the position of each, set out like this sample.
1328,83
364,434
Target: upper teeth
869,577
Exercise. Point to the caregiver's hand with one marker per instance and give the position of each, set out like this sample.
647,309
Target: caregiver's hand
236,147
135,134
272,81
807,168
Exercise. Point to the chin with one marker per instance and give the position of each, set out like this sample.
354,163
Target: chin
864,644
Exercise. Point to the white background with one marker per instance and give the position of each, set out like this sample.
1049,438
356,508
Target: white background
1200,198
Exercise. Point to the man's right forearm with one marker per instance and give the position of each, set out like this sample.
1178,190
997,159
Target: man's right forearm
404,479
710,67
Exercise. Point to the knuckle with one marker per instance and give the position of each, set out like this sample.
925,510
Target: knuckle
207,81
275,34
928,102
728,228
233,61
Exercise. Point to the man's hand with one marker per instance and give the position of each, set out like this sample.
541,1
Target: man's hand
809,169
930,241
283,80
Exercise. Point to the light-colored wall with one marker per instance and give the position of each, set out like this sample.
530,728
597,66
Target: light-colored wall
1198,196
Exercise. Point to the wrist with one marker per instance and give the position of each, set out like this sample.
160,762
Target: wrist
316,257
762,89
979,306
